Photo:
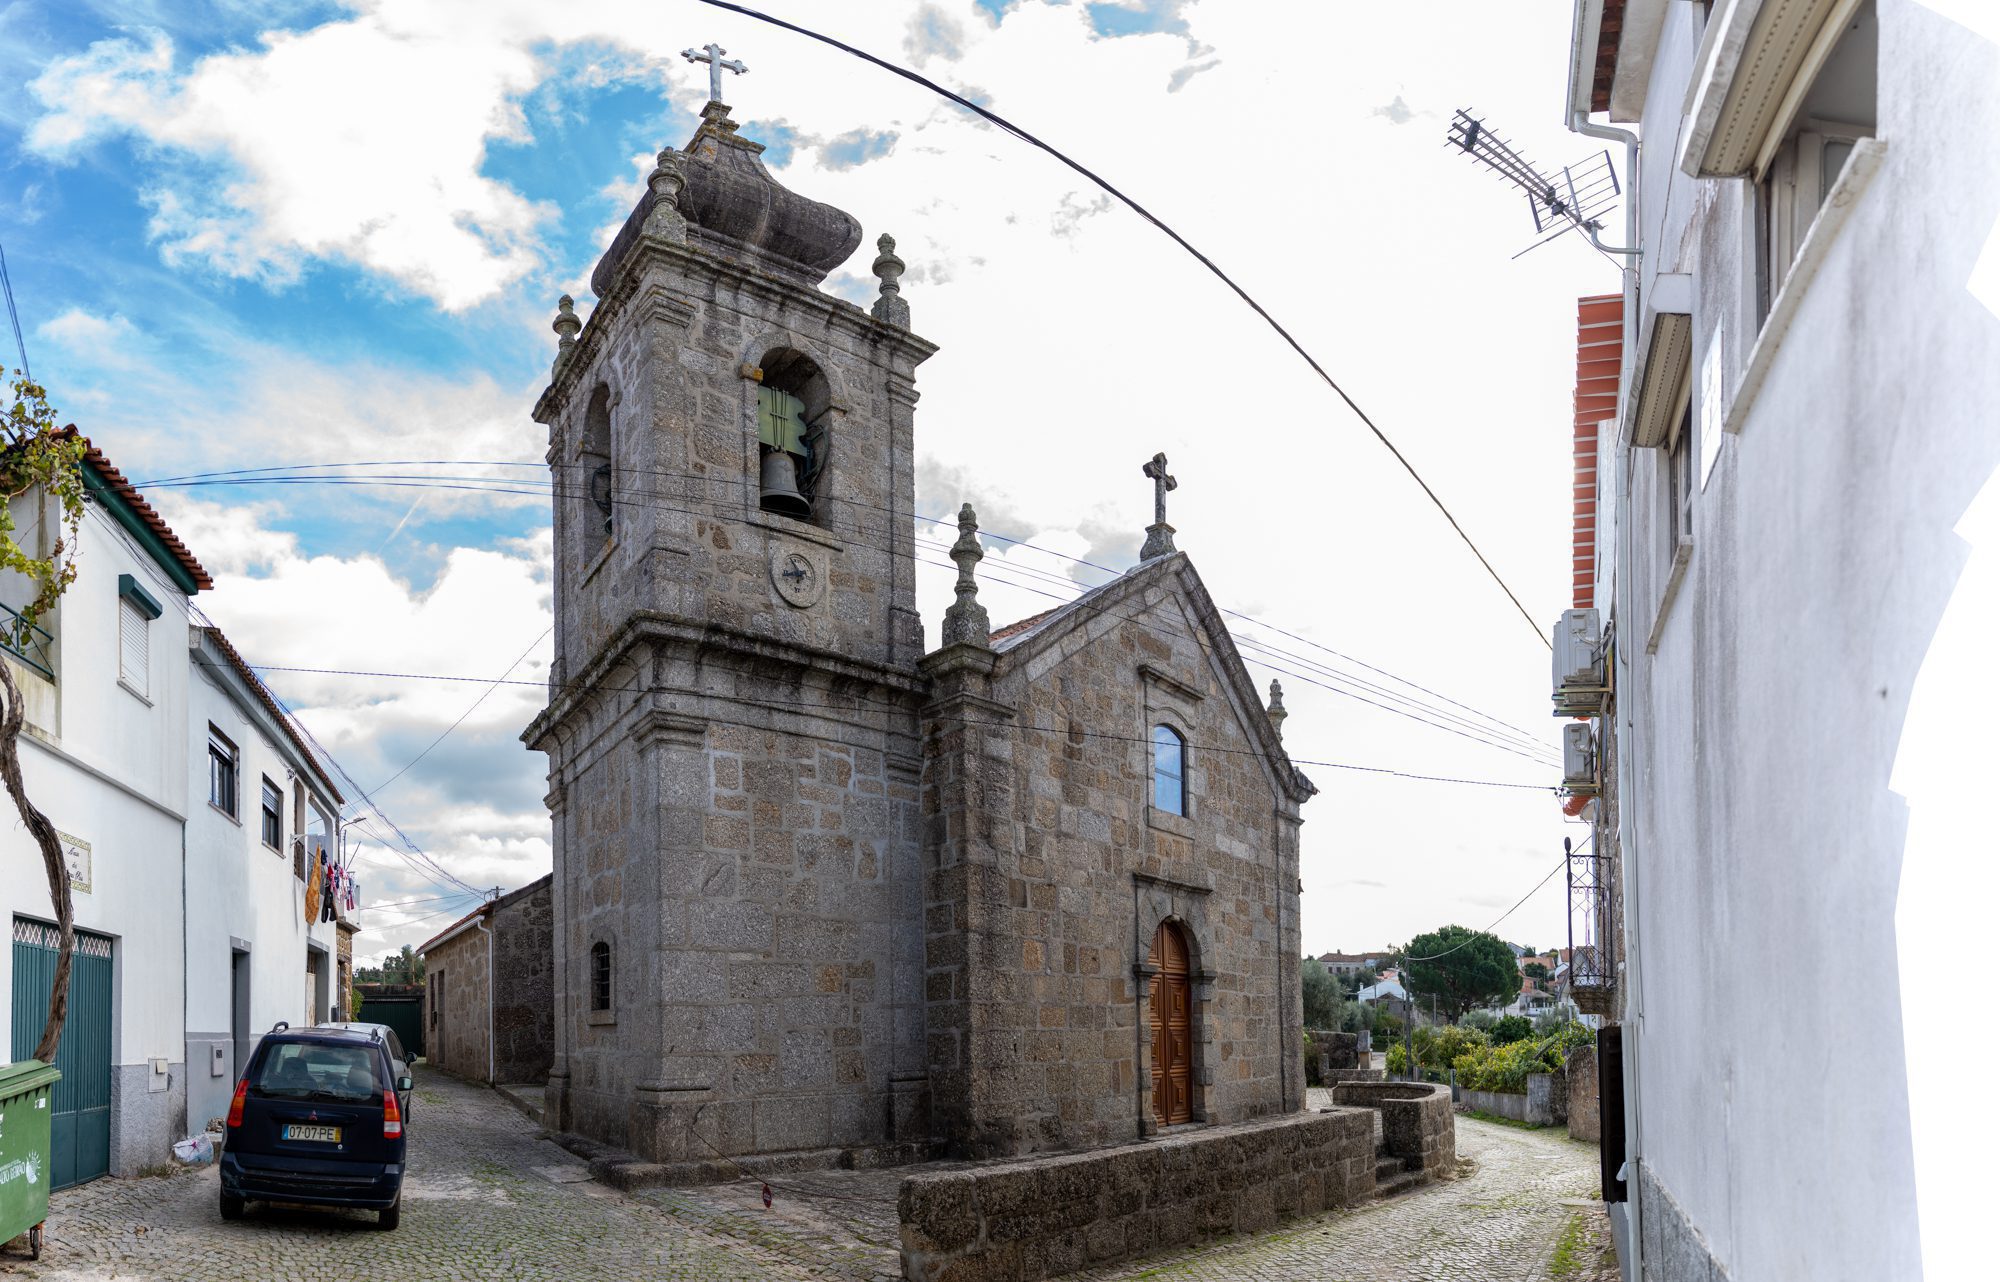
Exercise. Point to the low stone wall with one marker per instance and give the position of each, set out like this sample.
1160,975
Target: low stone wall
1583,1123
1040,1217
1417,1123
1500,1104
1548,1096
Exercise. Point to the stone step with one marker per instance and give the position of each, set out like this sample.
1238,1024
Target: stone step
1400,1182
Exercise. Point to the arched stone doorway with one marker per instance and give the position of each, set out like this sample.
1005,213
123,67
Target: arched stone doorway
1172,1018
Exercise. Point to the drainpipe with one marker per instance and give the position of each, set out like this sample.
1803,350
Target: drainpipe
480,921
1580,123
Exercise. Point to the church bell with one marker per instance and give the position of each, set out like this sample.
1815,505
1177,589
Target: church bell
778,482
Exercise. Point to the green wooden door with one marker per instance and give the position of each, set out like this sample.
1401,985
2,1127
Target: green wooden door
82,1099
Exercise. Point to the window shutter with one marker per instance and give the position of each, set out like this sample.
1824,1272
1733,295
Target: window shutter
134,646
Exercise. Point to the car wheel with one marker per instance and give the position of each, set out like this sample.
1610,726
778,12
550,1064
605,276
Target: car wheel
387,1220
232,1207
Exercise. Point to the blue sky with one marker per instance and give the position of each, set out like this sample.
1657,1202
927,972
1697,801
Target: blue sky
246,235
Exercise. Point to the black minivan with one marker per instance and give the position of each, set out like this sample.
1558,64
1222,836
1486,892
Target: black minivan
317,1119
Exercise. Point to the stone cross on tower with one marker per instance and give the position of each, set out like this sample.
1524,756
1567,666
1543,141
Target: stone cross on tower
1159,535
712,55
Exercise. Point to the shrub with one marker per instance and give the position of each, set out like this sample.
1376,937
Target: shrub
1512,1028
1505,1066
1483,1020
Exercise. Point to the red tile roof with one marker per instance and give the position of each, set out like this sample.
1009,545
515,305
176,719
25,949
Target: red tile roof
1609,28
114,480
1600,345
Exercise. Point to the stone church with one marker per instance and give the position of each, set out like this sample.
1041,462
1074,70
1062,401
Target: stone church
817,890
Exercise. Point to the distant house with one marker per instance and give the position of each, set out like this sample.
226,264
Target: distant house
1351,963
488,990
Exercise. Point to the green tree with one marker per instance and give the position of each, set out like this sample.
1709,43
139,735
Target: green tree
1512,1028
1462,969
1321,993
41,471
1536,971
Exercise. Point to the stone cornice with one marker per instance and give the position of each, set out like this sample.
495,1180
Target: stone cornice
650,627
695,267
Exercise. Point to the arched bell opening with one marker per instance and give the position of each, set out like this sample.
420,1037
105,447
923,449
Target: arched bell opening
794,409
592,482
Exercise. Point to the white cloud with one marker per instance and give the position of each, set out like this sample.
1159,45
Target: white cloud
1063,364
284,608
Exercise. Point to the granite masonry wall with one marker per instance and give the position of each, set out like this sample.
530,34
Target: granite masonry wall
524,946
1044,1216
1052,870
455,988
1582,1071
732,728
1417,1123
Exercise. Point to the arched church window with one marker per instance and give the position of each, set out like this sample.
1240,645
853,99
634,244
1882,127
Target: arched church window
1169,770
594,470
600,976
793,406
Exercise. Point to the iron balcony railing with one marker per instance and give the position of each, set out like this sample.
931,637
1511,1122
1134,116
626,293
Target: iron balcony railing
30,643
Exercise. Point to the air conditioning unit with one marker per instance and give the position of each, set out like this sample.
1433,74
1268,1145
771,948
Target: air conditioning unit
1579,670
1580,759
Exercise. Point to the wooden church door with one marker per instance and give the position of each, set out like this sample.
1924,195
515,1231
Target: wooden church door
1172,1025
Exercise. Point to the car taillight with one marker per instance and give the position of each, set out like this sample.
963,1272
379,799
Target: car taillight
392,1116
236,1103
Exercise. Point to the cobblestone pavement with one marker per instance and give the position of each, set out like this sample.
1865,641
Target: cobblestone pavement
485,1199
1502,1221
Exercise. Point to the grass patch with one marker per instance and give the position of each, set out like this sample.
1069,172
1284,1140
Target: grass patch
1497,1120
1567,1262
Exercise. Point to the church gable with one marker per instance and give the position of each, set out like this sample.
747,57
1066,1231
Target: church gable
1112,850
1160,623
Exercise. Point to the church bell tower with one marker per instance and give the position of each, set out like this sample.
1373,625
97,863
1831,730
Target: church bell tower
732,726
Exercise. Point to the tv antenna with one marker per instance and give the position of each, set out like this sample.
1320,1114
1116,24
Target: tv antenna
1573,200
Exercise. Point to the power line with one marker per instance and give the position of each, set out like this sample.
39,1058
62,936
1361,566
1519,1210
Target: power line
469,711
7,286
1026,137
797,704
1503,916
1004,574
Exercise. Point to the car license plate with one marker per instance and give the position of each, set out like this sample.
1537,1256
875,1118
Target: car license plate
317,1134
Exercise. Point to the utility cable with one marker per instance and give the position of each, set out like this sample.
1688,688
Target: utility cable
851,702
469,711
1023,135
1000,574
7,285
1503,916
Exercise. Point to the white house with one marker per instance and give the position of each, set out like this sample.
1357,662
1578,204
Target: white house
261,810
104,755
192,812
1807,384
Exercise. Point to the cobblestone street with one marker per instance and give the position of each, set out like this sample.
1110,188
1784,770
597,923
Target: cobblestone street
487,1199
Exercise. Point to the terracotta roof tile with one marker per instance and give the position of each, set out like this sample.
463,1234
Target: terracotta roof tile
114,480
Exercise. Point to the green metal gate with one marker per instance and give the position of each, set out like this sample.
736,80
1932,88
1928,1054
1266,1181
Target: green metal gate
82,1099
403,1013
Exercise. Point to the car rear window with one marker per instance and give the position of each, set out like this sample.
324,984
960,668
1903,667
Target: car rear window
316,1070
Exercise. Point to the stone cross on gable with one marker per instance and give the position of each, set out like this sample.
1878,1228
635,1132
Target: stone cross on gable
1159,535
712,55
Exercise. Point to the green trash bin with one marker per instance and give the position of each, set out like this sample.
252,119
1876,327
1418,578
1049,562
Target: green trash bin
24,1150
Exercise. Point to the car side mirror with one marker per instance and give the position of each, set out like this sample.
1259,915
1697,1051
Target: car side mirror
404,1083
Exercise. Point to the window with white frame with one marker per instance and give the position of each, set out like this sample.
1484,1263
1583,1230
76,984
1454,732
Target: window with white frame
1830,113
221,772
136,611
